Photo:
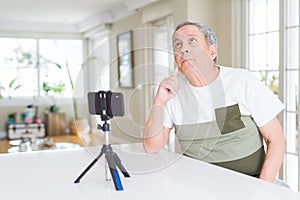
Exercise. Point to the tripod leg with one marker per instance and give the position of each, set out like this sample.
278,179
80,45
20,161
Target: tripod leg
120,166
88,168
113,170
107,171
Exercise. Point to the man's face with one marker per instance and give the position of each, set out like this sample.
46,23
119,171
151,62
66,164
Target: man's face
192,54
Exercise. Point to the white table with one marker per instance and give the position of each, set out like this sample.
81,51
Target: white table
50,175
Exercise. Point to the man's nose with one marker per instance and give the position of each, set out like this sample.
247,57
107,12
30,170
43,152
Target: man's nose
185,51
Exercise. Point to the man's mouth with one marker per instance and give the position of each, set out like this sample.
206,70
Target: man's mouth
185,60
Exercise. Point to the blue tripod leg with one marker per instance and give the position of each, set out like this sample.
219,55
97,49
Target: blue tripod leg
120,166
113,170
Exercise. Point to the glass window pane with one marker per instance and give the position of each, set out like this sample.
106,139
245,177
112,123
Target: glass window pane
273,50
269,78
258,19
16,52
292,85
273,15
291,93
292,171
257,52
293,12
18,67
26,52
291,133
8,56
7,75
18,82
27,77
273,81
52,76
293,48
18,64
65,53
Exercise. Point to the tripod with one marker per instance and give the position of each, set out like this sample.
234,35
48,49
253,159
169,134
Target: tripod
112,159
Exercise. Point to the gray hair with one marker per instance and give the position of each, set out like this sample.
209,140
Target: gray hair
209,34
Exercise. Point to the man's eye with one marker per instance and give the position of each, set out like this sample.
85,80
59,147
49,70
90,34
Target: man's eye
192,40
177,45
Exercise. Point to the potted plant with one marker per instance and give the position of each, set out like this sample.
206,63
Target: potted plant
50,90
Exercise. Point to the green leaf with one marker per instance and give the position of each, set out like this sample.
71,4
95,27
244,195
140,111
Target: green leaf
11,83
59,66
17,87
59,89
70,77
46,87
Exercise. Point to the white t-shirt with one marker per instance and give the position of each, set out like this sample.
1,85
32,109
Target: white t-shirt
194,105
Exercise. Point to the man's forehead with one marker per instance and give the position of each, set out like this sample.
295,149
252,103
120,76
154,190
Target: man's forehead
188,30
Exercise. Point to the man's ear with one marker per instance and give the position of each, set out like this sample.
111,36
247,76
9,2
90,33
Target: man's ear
213,51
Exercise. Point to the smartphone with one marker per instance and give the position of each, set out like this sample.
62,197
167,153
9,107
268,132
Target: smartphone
106,103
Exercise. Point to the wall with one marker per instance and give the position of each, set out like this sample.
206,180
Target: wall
218,15
225,32
203,11
126,128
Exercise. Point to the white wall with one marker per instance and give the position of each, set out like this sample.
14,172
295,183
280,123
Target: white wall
218,15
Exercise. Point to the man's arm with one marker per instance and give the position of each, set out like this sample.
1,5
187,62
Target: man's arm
276,147
155,134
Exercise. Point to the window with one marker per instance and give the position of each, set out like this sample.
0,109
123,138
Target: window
18,62
37,68
273,55
291,69
263,41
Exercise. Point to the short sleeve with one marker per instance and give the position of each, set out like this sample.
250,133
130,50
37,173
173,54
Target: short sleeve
262,103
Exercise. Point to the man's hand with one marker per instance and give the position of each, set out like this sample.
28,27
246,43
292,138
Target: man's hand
167,89
155,134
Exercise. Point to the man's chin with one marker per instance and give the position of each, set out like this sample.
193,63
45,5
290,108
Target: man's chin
189,67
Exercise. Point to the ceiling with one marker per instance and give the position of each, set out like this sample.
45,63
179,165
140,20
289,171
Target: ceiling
77,15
